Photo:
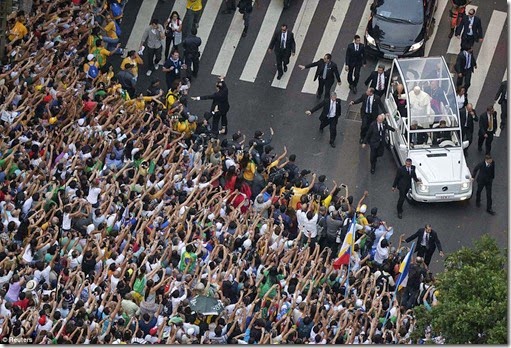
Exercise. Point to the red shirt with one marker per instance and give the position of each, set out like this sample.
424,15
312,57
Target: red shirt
89,105
23,304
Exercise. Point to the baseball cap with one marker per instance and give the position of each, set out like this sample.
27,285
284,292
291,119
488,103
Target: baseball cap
90,56
153,331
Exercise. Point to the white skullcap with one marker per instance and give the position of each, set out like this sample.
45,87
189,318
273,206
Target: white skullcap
416,89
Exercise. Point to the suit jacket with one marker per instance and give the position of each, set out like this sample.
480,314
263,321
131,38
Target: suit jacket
325,104
403,180
433,241
373,137
484,124
461,61
220,99
355,58
290,43
477,28
331,72
501,93
420,138
376,107
470,122
486,174
372,80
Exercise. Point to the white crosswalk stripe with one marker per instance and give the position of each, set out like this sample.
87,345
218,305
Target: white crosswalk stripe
343,90
327,42
256,57
207,21
232,38
485,57
455,43
142,22
300,29
498,108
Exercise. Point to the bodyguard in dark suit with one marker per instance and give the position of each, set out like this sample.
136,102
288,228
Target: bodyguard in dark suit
355,58
370,109
486,171
326,71
329,115
283,42
487,128
378,80
219,107
467,118
427,242
376,139
472,30
403,182
501,98
464,67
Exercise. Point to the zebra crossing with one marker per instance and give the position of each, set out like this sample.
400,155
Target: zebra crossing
334,35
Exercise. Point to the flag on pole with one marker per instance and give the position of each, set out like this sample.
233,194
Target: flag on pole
347,247
403,269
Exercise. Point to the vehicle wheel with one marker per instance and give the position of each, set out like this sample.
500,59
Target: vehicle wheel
410,200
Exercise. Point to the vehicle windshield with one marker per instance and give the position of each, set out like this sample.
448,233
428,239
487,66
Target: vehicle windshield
407,11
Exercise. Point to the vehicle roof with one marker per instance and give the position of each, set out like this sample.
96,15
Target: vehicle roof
430,93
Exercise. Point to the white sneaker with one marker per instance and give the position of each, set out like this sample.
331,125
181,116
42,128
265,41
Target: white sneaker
149,72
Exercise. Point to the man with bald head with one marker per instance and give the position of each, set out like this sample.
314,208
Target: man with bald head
376,139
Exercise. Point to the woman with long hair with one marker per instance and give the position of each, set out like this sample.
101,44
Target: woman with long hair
173,32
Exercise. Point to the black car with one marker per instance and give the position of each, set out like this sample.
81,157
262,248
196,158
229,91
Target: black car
399,28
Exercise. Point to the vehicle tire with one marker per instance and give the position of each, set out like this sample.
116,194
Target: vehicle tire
410,200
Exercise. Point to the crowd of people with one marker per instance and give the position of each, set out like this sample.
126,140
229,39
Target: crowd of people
120,210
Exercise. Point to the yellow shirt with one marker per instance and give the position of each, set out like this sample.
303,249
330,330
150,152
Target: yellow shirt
91,42
87,66
297,195
249,171
139,103
194,5
110,30
18,31
185,127
135,62
101,54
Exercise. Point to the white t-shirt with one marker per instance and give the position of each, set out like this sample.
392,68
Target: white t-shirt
381,253
308,227
92,197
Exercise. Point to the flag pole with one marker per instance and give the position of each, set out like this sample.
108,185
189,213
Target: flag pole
349,261
399,281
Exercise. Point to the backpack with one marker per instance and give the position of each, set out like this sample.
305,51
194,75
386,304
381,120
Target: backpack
116,10
118,30
93,71
277,176
99,57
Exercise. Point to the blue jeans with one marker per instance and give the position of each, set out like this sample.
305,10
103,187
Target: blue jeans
111,43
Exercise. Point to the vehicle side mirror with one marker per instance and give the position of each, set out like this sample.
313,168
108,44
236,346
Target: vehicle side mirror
465,144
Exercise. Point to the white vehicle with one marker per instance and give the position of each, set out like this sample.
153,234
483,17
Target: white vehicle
421,104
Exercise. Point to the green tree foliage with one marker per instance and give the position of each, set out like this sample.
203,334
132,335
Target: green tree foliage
472,297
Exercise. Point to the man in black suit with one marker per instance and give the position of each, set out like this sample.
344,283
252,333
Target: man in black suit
326,71
487,128
378,80
467,118
370,109
472,29
486,171
376,139
501,97
403,182
219,107
427,242
329,115
355,58
283,42
464,67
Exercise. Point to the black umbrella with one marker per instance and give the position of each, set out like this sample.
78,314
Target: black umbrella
206,305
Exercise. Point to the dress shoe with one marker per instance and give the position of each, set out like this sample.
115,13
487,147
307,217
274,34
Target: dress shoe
478,204
332,144
285,68
451,33
372,170
354,90
491,212
279,77
400,215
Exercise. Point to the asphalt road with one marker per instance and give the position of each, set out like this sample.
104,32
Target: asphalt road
257,106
